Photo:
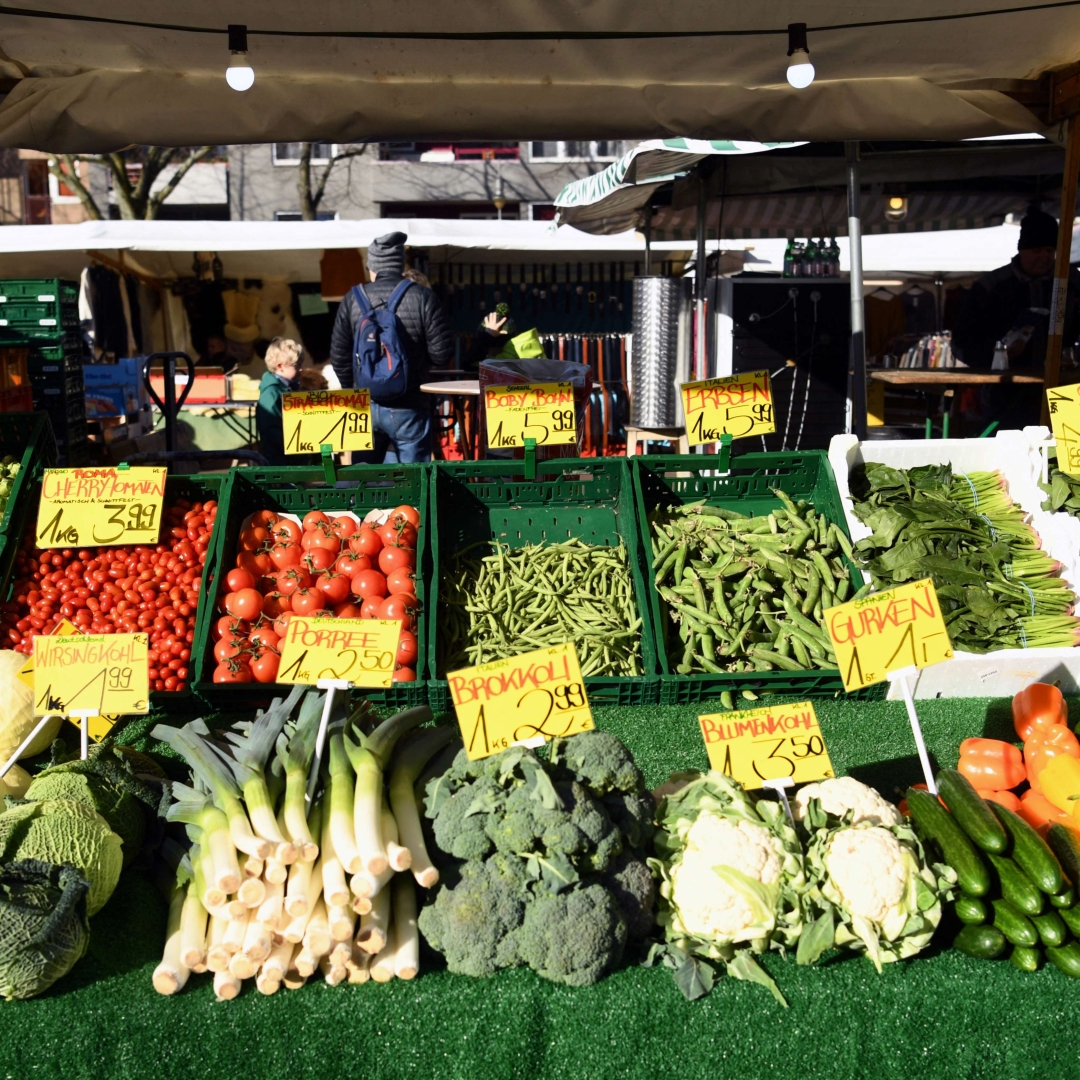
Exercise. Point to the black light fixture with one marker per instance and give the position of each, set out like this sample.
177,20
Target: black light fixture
800,72
239,74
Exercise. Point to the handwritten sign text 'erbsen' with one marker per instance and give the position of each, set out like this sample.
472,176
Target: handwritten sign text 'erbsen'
739,406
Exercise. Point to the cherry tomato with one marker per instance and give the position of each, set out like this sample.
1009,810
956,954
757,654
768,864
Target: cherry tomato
344,526
369,583
407,649
287,531
370,608
404,674
348,611
227,649
227,626
406,513
264,667
318,560
349,563
245,604
253,538
264,638
396,558
288,581
284,555
265,518
366,542
314,518
232,671
334,587
401,580
401,607
307,601
240,579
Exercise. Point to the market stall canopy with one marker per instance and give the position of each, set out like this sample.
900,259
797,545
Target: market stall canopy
101,74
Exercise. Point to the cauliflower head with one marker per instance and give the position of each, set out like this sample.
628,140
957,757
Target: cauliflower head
868,870
842,794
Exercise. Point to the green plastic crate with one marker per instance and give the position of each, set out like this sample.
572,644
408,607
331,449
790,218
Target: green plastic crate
43,290
19,313
673,480
587,499
44,340
296,491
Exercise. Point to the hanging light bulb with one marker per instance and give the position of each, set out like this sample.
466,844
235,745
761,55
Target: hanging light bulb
896,208
800,72
239,74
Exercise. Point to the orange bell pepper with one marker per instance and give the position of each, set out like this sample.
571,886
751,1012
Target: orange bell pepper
1044,744
991,764
1038,705
902,805
1040,813
1059,780
1003,798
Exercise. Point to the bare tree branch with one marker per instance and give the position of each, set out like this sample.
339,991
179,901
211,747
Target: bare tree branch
65,169
317,195
156,201
303,184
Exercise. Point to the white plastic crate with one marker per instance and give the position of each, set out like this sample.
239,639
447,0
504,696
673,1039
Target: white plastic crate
1064,529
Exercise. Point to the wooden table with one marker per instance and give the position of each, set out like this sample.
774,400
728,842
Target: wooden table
460,393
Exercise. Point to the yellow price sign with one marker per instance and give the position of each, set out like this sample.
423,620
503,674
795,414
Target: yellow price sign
100,506
777,742
359,651
1064,404
98,726
341,418
105,672
739,406
886,632
536,696
540,411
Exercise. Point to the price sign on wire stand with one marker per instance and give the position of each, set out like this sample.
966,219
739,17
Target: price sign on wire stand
889,636
99,507
1064,402
101,673
357,652
524,699
338,418
739,406
758,747
540,411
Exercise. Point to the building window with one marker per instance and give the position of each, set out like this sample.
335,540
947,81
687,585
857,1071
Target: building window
294,215
288,153
447,153
60,192
606,150
542,211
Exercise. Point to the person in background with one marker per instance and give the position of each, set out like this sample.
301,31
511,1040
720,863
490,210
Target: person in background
488,341
1011,306
283,358
216,352
401,430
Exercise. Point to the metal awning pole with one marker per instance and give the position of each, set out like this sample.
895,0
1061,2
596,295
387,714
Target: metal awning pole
699,285
648,241
857,413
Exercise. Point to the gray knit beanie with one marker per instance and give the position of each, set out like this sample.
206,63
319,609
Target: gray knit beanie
386,254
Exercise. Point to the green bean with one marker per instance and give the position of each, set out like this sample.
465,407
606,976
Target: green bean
726,699
776,659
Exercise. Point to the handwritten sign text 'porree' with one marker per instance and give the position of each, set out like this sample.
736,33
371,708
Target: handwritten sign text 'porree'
739,406
540,411
773,743
1064,404
888,631
108,673
359,651
535,696
97,507
340,418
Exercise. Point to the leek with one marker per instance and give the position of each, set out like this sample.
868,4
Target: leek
171,974
406,936
409,762
295,750
367,809
341,806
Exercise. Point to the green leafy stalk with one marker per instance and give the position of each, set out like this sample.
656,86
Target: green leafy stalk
341,806
295,750
197,808
367,805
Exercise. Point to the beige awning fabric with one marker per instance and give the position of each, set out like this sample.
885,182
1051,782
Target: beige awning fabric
519,69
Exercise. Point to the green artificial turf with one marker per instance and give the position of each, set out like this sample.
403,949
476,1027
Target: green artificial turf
940,1015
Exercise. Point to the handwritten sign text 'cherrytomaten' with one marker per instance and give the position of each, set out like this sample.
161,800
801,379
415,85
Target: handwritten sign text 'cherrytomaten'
340,418
1064,402
888,631
773,743
540,411
99,507
359,651
739,405
537,695
108,673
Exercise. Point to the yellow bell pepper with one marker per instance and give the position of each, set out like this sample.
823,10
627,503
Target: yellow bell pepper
1060,782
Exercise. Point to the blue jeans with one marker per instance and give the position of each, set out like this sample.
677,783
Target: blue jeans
399,435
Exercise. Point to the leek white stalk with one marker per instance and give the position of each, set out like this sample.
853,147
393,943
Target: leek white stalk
335,888
406,936
374,926
365,884
306,962
317,938
295,750
342,922
226,986
358,965
200,968
334,976
341,807
274,872
361,904
298,890
217,956
235,929
258,942
269,911
236,908
242,966
382,964
367,809
171,974
293,979
400,858
295,929
409,762
274,967
212,897
252,892
251,867
341,953
193,929
267,983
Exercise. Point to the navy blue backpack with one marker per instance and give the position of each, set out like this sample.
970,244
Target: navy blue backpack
380,363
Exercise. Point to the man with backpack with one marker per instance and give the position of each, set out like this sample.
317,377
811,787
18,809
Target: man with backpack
386,336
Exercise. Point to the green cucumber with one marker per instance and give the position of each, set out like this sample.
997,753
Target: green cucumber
1016,887
1065,844
971,812
1064,899
1071,917
982,942
1066,958
1026,959
971,910
935,822
1031,851
1051,928
1017,928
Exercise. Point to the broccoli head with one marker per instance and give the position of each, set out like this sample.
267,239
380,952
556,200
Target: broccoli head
575,937
460,823
631,882
475,914
599,760
633,813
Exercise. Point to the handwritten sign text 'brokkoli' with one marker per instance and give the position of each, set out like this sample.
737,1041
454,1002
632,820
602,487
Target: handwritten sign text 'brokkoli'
888,631
535,696
739,406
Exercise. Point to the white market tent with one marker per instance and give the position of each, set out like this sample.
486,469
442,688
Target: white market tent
97,75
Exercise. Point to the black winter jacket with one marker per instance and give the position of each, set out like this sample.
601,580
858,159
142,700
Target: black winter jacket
425,335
